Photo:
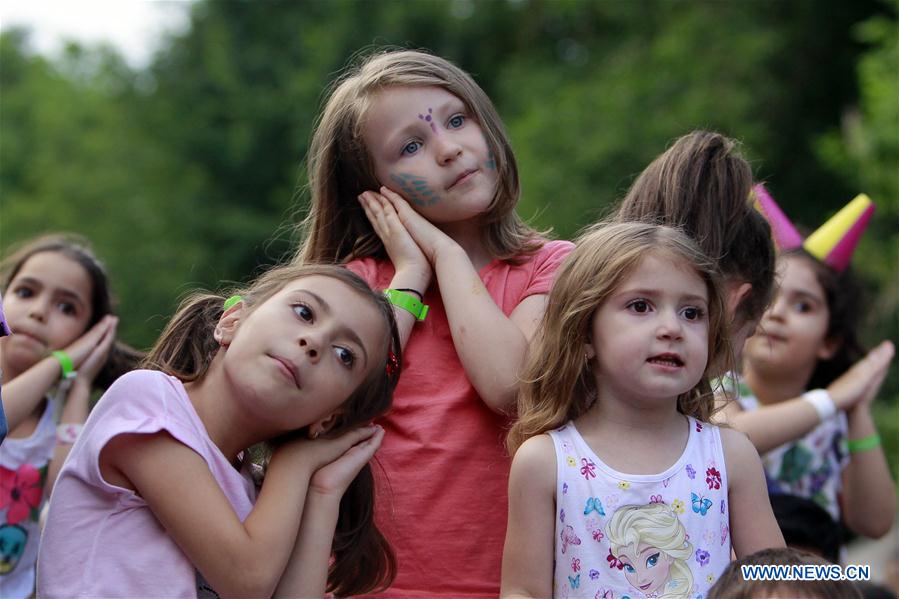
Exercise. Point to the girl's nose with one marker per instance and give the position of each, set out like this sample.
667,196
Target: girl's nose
38,311
669,325
777,308
310,345
447,149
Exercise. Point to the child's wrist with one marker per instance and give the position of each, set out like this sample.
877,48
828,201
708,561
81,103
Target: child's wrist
822,402
66,365
864,444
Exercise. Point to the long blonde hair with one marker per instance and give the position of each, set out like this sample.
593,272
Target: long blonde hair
340,166
557,382
656,525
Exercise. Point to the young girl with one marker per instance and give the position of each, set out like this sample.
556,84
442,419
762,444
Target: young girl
807,339
631,492
156,497
414,186
58,303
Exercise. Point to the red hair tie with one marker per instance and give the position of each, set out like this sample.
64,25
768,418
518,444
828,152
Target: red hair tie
393,364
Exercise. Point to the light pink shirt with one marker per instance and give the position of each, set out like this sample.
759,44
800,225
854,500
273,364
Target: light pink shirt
101,540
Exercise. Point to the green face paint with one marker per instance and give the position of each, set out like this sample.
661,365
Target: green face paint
416,189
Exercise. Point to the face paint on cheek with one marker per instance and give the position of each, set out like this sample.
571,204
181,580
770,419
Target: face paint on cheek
429,118
415,189
491,162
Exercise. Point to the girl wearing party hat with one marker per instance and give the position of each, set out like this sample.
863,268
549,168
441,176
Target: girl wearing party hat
823,445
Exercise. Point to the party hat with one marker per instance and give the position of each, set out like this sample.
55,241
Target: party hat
835,240
786,237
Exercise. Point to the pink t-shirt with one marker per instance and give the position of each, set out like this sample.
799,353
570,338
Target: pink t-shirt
101,540
442,492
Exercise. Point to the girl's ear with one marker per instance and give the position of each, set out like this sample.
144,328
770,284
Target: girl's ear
736,291
829,348
227,324
589,352
324,425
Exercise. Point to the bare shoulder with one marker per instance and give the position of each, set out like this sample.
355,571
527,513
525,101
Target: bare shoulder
740,454
736,444
534,464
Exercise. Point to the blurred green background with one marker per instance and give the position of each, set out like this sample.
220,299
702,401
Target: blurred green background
189,172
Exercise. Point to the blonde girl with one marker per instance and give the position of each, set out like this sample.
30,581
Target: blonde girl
59,305
414,187
653,531
618,378
158,496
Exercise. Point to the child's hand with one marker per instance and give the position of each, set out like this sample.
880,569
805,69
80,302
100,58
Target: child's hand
859,385
95,360
83,347
314,454
429,238
334,478
404,252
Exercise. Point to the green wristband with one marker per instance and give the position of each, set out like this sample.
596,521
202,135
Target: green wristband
68,368
407,302
864,444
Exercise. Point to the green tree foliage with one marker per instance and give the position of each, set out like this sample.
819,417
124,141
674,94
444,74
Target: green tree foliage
190,171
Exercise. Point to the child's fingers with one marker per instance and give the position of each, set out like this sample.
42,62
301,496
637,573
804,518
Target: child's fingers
359,454
374,217
340,445
856,383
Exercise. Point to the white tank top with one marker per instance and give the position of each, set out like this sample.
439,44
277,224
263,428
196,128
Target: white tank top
640,535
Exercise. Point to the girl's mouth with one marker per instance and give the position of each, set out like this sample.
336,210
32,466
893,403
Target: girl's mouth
669,360
463,177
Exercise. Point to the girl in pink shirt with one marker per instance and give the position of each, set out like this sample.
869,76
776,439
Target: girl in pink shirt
414,186
156,498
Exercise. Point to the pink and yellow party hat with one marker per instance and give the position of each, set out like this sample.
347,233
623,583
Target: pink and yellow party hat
835,241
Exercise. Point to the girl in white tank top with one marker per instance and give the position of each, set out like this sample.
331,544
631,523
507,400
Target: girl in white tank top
631,493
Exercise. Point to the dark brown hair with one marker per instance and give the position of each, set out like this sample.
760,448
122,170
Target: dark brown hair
732,585
122,358
340,166
363,560
843,294
702,184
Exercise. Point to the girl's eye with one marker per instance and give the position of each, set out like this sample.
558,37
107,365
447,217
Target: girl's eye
803,307
23,292
346,357
652,560
630,569
304,312
456,121
639,306
411,148
67,308
693,313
